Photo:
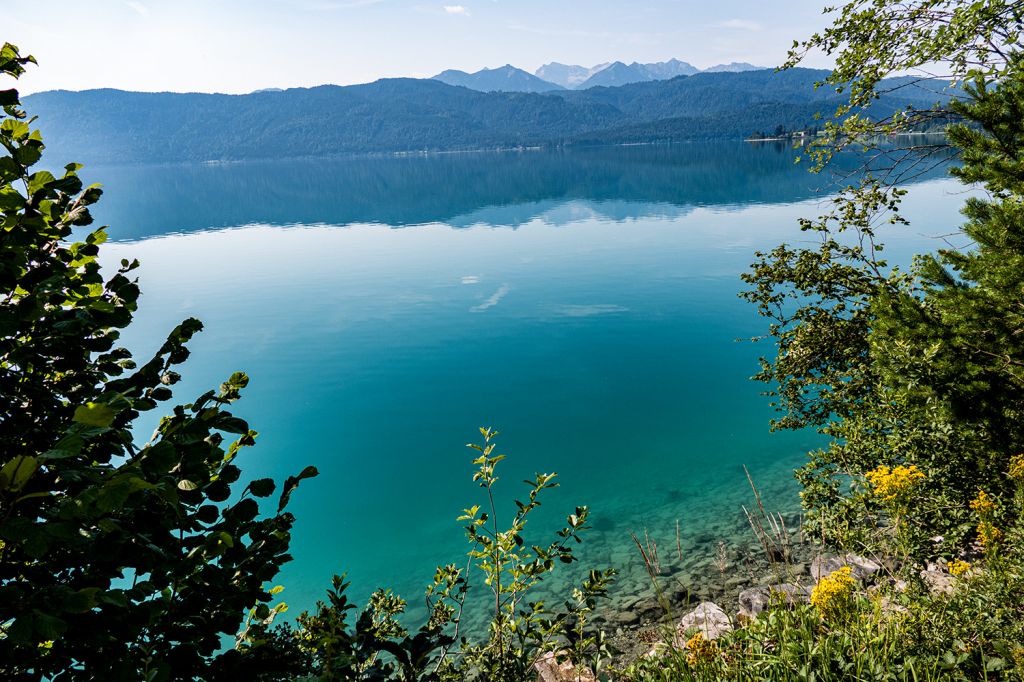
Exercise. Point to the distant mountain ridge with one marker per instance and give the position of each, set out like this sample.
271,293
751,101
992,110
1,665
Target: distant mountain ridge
618,73
408,115
664,70
569,76
575,77
502,79
733,67
556,76
614,74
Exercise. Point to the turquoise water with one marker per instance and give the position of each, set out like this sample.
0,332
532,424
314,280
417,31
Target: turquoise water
583,303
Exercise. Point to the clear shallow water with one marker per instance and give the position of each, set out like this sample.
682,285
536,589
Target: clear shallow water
583,303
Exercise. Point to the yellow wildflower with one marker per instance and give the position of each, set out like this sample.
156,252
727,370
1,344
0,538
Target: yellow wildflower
988,535
958,567
1018,656
1017,468
983,504
700,649
891,484
832,595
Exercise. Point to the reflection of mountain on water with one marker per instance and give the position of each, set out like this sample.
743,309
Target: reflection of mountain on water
510,189
566,211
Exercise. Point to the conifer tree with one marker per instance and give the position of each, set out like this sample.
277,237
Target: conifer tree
924,367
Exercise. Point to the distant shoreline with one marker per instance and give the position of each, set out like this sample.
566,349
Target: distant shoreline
439,153
409,154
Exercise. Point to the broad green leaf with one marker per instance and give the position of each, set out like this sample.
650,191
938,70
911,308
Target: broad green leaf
11,199
40,179
17,472
95,414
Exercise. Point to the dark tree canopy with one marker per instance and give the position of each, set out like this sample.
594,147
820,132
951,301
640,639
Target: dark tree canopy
118,560
919,367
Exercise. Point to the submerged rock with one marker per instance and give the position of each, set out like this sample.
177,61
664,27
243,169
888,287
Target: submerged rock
648,609
733,583
625,618
708,617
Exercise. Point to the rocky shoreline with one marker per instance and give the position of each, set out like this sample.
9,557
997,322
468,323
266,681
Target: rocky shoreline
735,583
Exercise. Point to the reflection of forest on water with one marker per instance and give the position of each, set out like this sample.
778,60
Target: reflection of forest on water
631,182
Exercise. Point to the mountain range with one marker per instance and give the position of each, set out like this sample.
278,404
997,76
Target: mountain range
569,76
502,79
416,115
555,76
733,67
575,77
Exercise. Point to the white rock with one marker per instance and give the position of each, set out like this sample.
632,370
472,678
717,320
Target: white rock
708,617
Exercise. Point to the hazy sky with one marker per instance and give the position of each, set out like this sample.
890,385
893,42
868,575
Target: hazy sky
241,45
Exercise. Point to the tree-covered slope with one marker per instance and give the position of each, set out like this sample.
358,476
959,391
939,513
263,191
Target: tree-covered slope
730,94
388,115
403,115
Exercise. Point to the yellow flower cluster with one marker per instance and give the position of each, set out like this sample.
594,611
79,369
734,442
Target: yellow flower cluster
1018,656
1017,468
890,484
988,535
831,596
700,649
958,567
983,504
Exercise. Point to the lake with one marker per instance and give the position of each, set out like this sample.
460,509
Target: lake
582,302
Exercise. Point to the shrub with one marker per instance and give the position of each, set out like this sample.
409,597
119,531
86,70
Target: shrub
119,560
508,571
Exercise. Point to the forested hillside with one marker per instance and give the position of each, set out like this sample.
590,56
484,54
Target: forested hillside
406,115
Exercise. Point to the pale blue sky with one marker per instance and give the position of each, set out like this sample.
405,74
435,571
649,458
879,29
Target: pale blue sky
241,45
